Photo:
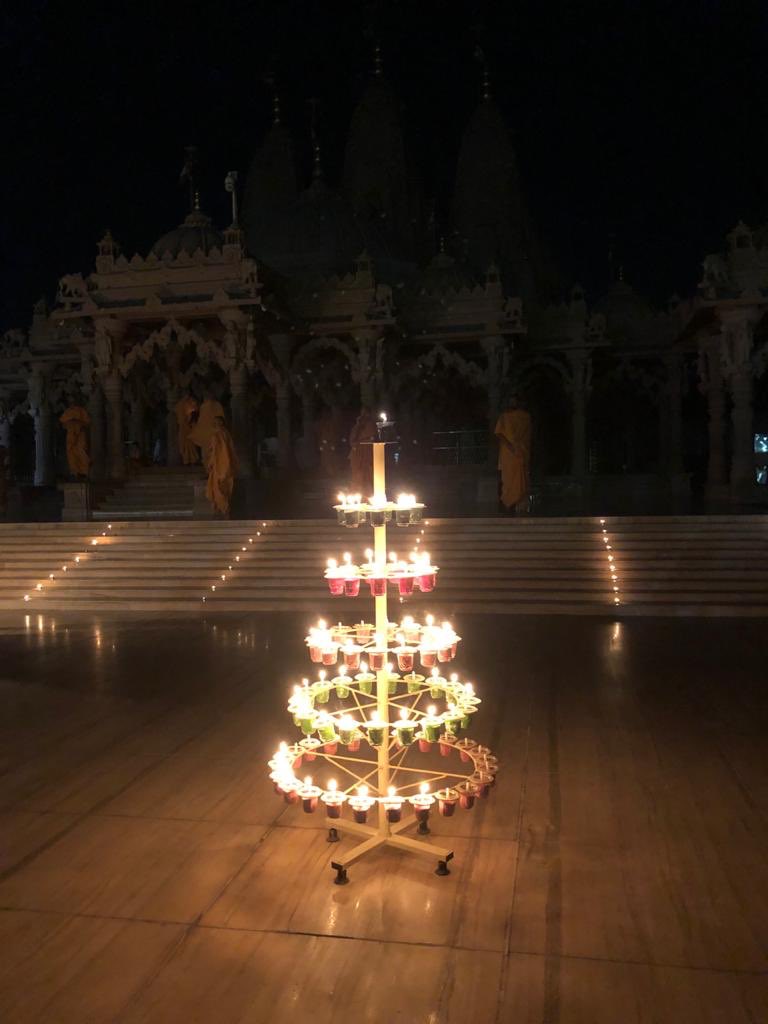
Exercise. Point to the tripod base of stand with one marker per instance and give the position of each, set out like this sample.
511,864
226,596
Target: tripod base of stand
392,837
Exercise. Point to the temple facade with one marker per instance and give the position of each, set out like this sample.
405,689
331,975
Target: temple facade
318,300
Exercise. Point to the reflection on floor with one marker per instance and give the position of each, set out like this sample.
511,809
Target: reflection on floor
617,874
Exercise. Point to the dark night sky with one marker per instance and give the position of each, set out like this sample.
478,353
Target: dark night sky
642,120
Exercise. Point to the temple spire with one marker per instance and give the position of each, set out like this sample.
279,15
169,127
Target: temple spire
275,110
378,63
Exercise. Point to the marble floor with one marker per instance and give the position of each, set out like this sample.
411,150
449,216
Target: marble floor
617,874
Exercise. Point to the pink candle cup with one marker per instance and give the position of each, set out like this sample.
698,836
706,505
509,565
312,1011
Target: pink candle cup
377,658
336,585
378,585
405,585
352,586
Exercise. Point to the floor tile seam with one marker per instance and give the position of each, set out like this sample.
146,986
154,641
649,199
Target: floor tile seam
198,924
272,825
92,812
501,997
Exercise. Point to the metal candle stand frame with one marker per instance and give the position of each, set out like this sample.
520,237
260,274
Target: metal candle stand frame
389,753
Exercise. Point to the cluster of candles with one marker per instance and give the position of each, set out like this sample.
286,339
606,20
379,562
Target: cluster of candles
336,727
377,510
305,791
418,572
432,644
40,587
611,564
232,565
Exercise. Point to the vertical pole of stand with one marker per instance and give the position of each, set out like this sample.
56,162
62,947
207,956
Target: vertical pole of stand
382,683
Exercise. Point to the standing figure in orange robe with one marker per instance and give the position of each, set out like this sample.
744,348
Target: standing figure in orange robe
185,410
513,429
222,467
360,460
202,432
76,421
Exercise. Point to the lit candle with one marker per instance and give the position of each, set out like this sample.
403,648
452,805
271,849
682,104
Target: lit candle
361,803
376,731
393,805
365,679
422,802
333,799
309,795
431,724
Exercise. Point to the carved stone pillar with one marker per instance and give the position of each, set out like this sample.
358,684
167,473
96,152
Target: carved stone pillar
173,456
40,408
672,414
738,326
136,427
715,408
113,392
580,372
284,440
241,422
366,377
96,412
743,461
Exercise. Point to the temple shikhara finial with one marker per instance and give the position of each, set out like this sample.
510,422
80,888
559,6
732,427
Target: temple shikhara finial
378,62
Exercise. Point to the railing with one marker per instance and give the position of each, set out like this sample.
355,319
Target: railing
459,447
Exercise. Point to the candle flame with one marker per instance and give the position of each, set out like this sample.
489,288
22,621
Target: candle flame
404,714
424,787
332,785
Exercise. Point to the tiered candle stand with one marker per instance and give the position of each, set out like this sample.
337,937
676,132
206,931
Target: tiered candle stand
393,794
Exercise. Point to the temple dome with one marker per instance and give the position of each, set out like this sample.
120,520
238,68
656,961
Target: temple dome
195,232
627,314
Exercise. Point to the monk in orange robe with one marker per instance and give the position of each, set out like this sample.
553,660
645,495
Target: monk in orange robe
202,432
222,467
360,457
513,429
76,421
185,409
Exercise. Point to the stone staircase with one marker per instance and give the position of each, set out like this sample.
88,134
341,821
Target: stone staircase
705,565
156,492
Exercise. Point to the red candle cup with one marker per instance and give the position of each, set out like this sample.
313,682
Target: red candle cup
309,795
466,796
351,655
336,585
330,748
405,658
330,654
426,582
393,807
446,801
405,585
376,659
364,632
353,746
428,658
425,745
378,585
352,586
446,745
333,801
445,654
290,796
309,747
316,653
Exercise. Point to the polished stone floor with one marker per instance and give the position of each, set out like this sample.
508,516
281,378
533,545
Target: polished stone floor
617,874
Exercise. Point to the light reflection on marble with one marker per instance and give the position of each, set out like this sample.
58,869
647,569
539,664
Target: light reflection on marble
618,865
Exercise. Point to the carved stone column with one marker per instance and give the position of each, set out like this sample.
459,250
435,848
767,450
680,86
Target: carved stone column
137,432
366,371
284,439
580,364
39,404
738,325
672,414
96,412
241,422
173,456
712,354
113,392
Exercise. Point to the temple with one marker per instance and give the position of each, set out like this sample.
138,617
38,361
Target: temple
318,300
